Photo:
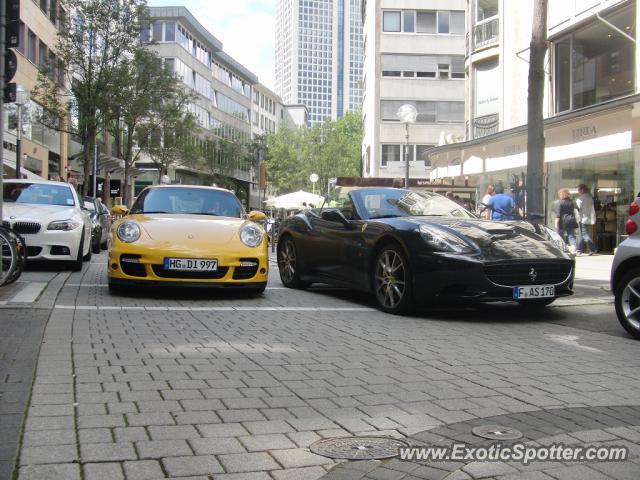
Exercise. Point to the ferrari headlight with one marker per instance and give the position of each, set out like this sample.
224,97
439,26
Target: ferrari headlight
444,241
64,225
557,240
128,232
251,235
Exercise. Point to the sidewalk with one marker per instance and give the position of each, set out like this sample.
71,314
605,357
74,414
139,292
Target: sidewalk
591,284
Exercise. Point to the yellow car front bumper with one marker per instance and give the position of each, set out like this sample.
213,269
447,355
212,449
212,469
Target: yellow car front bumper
238,266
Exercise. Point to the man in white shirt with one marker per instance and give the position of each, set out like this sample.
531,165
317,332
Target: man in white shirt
587,217
485,211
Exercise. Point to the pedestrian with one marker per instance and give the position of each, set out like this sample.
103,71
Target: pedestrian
587,213
501,204
566,221
485,211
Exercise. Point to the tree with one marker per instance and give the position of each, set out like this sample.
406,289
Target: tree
535,127
330,149
149,103
93,42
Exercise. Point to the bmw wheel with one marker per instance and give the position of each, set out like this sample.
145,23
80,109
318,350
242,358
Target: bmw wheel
627,301
392,281
288,265
76,265
95,243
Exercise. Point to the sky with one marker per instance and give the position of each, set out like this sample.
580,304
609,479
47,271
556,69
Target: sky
246,29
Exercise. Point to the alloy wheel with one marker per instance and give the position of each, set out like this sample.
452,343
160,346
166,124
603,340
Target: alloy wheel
287,262
631,302
390,279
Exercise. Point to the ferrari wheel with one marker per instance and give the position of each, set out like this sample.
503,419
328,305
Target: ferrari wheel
627,302
288,265
392,281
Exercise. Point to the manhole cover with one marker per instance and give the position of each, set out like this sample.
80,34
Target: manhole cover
358,448
497,432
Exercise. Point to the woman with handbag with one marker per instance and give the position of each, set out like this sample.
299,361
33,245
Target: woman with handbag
566,221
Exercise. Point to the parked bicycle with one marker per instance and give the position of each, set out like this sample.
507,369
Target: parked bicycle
13,255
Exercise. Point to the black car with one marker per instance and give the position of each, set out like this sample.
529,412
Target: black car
411,247
100,223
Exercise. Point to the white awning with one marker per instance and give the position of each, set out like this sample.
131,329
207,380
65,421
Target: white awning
23,171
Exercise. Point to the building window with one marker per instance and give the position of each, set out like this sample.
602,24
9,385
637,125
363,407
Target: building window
409,21
428,111
157,31
21,38
391,21
486,9
43,5
390,153
595,63
32,47
170,32
42,55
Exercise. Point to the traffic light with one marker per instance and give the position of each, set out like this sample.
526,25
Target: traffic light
11,40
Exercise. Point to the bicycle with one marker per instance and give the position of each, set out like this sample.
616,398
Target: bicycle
13,255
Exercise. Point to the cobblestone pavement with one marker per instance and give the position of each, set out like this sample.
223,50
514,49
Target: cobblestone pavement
175,384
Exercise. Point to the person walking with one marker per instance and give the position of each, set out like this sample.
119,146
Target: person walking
485,211
587,213
501,204
566,221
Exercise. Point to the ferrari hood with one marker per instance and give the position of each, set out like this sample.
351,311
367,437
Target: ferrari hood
499,240
189,230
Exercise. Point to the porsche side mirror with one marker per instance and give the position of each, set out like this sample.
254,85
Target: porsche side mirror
256,216
335,216
119,210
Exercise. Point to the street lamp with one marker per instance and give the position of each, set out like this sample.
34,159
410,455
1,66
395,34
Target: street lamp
407,114
22,98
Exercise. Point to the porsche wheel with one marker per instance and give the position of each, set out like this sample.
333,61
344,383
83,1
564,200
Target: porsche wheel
627,302
288,265
392,282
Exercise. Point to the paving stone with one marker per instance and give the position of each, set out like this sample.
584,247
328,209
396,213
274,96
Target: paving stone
298,457
107,452
95,435
268,426
103,471
194,465
163,448
223,430
247,462
148,419
488,469
577,472
259,443
34,438
48,454
130,434
142,470
173,432
97,421
216,445
306,473
60,471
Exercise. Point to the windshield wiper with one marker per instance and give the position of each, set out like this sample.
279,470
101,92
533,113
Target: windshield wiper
384,216
153,211
204,213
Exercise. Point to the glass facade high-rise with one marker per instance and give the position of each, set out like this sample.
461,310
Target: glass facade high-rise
319,56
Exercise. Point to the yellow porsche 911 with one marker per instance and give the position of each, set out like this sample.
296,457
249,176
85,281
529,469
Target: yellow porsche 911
185,235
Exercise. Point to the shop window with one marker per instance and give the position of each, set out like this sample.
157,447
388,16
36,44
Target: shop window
596,63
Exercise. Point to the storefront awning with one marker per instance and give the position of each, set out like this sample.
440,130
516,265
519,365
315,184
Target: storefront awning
23,171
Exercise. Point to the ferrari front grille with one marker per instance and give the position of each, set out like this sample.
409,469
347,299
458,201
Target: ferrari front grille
209,275
528,273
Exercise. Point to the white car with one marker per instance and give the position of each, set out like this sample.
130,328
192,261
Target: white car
625,274
51,219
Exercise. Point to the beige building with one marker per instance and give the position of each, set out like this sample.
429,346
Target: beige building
591,104
414,54
45,151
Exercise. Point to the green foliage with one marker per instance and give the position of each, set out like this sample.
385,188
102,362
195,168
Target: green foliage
331,149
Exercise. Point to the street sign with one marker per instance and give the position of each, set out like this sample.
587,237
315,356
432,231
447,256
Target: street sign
313,178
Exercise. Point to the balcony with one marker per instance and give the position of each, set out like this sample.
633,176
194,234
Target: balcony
486,125
486,34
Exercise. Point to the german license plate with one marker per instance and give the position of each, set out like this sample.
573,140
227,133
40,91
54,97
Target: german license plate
191,264
534,291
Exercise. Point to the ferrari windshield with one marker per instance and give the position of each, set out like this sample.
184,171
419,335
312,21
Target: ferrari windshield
188,200
392,202
38,193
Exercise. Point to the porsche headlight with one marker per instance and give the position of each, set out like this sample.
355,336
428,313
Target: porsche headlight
444,241
128,232
64,225
251,235
557,240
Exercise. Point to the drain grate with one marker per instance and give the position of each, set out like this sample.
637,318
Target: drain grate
358,448
497,432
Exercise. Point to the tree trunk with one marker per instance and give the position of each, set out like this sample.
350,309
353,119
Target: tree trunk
87,162
535,131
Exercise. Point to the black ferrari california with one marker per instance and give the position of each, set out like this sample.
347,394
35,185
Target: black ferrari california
409,247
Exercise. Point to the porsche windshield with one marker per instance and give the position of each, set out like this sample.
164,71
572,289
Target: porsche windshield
185,200
387,203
